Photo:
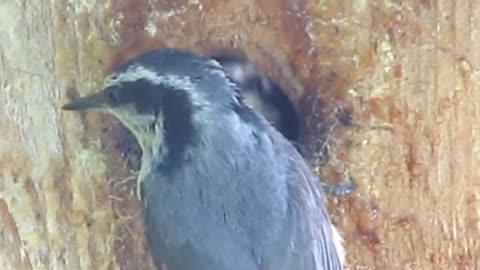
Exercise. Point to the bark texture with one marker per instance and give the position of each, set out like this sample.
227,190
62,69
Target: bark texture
408,71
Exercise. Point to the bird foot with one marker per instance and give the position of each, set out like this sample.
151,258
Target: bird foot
341,189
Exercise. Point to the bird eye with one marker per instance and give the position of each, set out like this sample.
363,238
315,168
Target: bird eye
113,96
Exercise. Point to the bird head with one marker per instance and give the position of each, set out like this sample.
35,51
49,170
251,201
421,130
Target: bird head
261,93
164,97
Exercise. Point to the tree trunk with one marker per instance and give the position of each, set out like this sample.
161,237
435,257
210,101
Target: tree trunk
408,71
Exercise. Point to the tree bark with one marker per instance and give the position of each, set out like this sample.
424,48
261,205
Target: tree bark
408,71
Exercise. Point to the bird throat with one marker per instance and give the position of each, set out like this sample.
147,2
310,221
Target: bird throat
152,144
150,137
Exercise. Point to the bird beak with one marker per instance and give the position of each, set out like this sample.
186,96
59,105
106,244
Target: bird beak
94,101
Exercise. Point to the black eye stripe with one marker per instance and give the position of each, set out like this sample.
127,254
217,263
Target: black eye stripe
144,96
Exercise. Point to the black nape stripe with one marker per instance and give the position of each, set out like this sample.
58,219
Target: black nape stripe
178,125
139,93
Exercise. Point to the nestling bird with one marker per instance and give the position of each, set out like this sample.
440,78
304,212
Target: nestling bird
261,93
221,188
270,100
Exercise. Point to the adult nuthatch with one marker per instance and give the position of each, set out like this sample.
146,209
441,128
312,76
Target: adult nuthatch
221,188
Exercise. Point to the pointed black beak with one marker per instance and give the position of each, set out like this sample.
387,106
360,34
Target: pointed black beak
94,101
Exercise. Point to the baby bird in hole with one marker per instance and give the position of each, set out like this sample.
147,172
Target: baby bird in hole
271,101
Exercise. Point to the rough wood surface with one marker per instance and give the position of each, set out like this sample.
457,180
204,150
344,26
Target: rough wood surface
408,69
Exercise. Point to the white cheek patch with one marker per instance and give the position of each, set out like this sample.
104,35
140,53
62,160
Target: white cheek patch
148,131
137,123
143,127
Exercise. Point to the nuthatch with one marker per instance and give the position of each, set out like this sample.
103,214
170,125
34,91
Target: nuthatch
221,188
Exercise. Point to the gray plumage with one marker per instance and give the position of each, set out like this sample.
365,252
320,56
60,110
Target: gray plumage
222,189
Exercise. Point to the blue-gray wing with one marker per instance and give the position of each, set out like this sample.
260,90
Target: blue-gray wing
314,243
255,207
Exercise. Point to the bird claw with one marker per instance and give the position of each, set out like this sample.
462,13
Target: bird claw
341,189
